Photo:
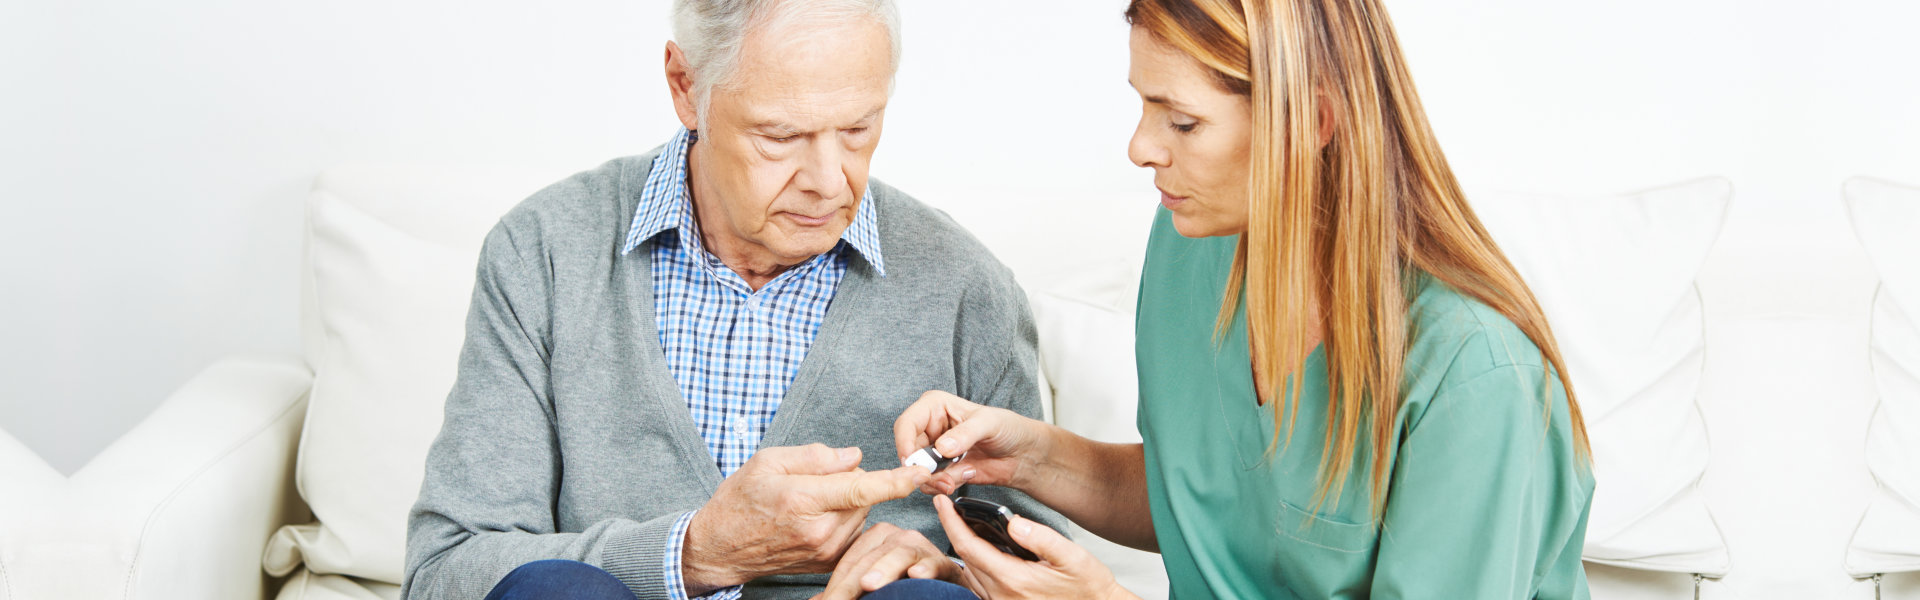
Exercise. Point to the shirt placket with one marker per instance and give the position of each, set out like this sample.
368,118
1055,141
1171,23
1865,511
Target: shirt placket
744,429
752,390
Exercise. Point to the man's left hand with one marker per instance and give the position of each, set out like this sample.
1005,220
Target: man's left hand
883,554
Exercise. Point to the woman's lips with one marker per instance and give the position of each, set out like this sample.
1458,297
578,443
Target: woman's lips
1171,201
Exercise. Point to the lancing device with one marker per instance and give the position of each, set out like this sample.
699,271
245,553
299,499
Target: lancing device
931,459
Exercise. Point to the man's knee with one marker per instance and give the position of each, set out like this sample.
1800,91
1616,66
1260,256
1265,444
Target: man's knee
921,589
559,580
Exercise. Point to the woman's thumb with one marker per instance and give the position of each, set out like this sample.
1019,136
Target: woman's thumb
1045,543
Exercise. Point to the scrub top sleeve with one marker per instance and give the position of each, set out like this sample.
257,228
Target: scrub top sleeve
1482,502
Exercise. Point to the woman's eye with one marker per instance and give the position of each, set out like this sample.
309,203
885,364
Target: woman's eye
1184,127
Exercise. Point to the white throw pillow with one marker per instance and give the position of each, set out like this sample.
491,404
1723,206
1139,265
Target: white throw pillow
1886,220
1615,276
391,256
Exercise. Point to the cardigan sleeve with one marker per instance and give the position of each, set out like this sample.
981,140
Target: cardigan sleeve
492,475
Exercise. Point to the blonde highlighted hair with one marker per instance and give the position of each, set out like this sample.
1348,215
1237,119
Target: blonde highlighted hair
1346,225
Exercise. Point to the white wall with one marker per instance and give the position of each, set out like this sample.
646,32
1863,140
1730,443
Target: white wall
154,157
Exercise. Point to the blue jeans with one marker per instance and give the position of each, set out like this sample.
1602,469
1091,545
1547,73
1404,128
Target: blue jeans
921,589
571,580
559,580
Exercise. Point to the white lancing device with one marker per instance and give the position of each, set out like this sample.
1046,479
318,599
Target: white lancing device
931,459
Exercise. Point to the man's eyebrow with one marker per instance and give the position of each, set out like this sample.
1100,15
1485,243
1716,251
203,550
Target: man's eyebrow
871,114
776,128
783,129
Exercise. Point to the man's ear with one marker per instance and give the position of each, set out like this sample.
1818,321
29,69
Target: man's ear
680,83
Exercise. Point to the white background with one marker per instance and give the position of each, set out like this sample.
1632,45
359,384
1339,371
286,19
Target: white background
154,156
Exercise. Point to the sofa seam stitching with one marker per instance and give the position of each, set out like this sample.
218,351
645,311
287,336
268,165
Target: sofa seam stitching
133,565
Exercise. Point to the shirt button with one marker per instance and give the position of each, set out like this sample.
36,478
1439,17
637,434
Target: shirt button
740,426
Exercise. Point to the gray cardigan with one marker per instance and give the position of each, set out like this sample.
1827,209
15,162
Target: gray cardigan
566,437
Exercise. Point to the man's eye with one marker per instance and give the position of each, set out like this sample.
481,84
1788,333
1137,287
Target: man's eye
783,140
1184,127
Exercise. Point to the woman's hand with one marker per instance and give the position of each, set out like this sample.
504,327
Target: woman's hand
1000,445
1065,570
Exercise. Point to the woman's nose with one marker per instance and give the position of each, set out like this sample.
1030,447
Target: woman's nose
1143,150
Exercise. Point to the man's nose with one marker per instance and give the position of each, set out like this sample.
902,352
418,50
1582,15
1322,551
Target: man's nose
824,170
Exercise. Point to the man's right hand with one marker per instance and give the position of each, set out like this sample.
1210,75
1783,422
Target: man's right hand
787,510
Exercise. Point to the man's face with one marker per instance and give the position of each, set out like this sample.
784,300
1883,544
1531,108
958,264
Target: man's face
782,161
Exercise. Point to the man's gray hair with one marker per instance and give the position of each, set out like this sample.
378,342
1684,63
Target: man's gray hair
711,32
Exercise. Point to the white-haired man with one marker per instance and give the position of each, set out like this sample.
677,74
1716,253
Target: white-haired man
682,369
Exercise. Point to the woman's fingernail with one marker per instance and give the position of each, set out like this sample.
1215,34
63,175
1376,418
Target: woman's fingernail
872,580
945,446
848,454
967,473
1021,527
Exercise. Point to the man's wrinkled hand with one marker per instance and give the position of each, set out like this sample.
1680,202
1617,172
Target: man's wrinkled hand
787,510
883,555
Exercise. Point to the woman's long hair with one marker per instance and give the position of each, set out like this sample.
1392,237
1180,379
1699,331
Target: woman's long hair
1347,223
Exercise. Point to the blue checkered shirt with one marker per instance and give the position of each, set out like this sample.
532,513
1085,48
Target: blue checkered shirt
732,350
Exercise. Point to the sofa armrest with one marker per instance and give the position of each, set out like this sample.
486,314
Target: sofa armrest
183,504
31,494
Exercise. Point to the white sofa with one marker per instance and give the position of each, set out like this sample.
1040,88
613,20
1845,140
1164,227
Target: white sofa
176,508
199,501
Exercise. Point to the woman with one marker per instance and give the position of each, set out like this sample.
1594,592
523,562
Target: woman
1346,391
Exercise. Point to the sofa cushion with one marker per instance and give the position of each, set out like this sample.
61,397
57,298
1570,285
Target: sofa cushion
1615,275
304,585
390,263
1885,218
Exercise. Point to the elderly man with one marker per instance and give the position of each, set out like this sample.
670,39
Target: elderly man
682,369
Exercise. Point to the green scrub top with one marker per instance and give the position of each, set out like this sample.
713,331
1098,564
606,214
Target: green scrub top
1486,497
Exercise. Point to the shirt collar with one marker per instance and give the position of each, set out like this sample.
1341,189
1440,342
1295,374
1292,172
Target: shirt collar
665,203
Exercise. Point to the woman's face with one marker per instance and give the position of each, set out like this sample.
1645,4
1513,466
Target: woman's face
1196,137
